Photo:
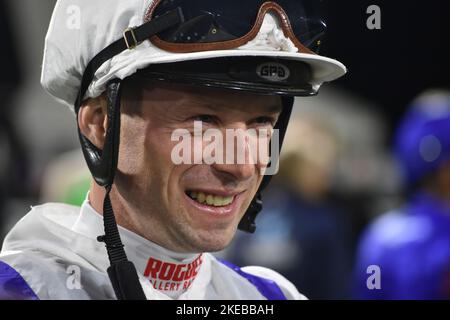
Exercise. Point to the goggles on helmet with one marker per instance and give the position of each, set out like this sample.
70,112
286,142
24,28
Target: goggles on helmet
221,25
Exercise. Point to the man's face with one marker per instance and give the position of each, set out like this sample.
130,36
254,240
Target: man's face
167,202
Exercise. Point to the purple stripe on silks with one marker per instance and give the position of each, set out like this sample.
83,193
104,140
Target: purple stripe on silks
266,287
13,286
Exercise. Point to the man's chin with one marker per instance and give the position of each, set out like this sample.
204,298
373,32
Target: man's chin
212,241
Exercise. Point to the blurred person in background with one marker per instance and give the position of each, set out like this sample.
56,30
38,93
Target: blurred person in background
410,246
304,231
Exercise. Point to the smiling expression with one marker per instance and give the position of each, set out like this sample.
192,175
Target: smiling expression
186,207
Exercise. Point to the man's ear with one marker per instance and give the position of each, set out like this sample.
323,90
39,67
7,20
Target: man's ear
93,120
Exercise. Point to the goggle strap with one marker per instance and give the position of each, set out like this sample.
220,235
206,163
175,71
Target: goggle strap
131,38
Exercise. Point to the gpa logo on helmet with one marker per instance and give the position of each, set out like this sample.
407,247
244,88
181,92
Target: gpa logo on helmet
273,71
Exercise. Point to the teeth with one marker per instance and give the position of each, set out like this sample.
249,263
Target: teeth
201,197
218,201
211,200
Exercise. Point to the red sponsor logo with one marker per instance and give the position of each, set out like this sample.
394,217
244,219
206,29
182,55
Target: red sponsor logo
168,276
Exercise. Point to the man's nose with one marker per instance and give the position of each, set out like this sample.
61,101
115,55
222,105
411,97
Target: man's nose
239,154
240,172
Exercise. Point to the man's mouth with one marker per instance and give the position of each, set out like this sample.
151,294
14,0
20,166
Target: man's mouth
210,199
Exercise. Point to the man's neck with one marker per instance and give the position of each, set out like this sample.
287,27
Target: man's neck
96,199
168,271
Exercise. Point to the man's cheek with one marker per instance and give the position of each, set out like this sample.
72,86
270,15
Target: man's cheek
251,192
258,179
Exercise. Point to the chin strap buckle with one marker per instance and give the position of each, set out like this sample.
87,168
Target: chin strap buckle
130,38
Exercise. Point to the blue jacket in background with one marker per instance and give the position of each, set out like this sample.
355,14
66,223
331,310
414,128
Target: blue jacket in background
412,248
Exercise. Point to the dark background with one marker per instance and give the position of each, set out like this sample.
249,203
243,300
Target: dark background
390,66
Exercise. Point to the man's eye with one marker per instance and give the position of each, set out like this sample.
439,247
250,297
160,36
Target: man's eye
265,121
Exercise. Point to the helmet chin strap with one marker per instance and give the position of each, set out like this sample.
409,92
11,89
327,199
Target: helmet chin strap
122,272
102,164
247,223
